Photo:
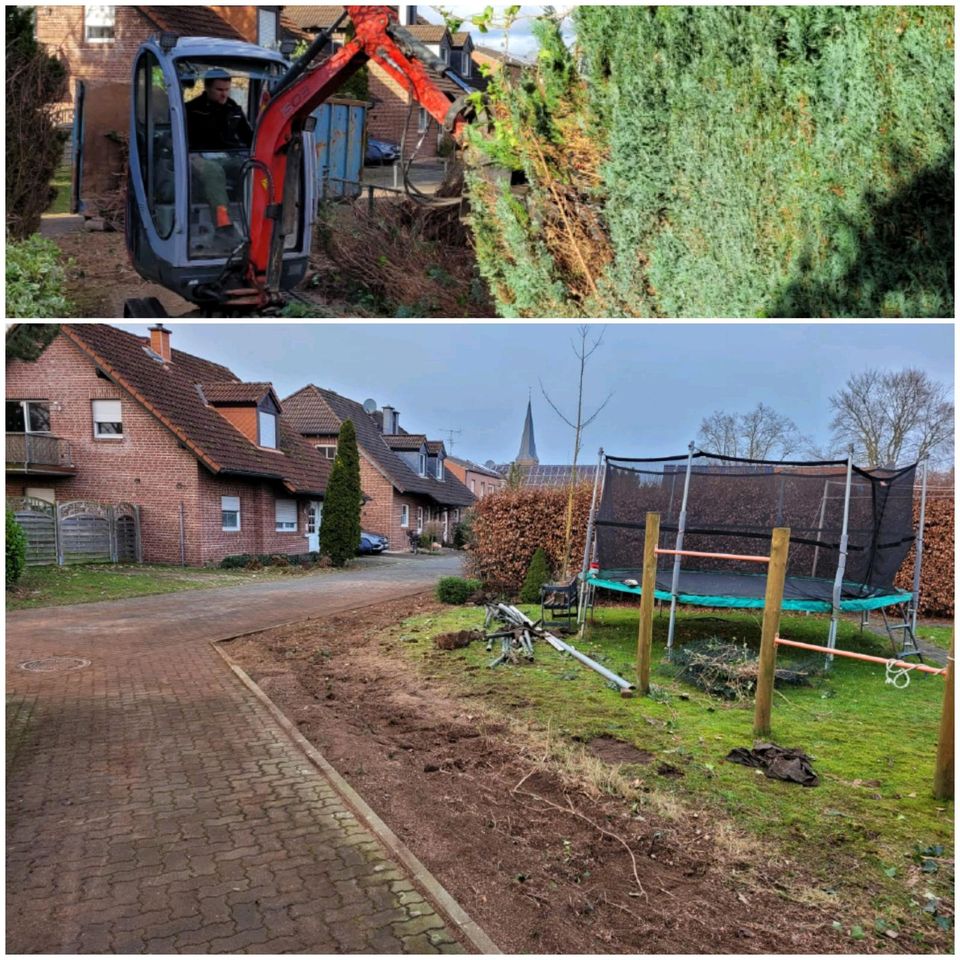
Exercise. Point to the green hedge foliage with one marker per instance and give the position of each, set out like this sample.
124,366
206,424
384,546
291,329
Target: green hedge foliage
16,549
754,161
456,590
35,279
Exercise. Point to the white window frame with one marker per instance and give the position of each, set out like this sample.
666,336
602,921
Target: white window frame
439,468
229,505
423,464
473,487
25,406
330,452
103,416
467,64
419,519
404,516
268,419
423,120
99,17
282,510
274,42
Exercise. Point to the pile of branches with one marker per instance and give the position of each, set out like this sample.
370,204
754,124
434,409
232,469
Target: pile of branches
729,670
395,260
36,82
112,205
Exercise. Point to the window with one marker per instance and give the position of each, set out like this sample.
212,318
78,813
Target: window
467,65
286,513
154,136
473,487
423,464
314,511
230,513
424,120
439,468
404,516
107,419
267,23
268,429
483,488
28,416
99,24
419,519
329,452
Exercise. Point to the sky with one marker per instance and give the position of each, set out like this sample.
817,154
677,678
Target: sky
475,379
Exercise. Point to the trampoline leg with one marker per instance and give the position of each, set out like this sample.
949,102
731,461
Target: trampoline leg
831,641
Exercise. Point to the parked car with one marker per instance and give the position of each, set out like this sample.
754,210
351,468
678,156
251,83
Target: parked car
381,151
372,542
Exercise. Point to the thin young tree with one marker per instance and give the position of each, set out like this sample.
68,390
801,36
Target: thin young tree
340,529
582,351
888,416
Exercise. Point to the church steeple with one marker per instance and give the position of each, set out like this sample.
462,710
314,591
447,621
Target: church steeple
527,457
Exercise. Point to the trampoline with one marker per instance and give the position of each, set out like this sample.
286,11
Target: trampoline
850,531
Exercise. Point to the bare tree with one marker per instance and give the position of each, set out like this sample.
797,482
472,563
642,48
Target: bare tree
888,416
583,352
759,434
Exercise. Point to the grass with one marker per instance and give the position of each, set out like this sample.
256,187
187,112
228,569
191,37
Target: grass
62,180
854,842
49,586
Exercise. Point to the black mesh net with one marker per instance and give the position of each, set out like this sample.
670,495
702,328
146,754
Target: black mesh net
732,507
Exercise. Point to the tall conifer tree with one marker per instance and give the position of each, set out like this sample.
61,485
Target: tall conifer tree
340,529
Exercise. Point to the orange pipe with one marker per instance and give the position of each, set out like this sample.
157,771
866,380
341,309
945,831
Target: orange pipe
922,667
715,556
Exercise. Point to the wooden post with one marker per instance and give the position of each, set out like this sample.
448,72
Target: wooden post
651,539
943,778
773,601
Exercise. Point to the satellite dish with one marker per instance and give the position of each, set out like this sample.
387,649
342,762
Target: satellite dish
370,406
489,464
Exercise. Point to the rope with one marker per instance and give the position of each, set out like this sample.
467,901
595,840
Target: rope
899,676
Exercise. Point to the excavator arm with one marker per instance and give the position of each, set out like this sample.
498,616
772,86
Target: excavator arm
275,155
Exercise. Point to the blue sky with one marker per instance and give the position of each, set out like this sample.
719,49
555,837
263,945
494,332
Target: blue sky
665,378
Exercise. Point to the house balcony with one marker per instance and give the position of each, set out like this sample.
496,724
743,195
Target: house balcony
39,455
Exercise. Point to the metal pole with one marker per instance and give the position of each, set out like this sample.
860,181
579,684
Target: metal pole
841,561
183,545
681,527
581,602
823,513
918,557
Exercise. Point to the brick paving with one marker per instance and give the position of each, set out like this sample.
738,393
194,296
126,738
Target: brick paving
154,805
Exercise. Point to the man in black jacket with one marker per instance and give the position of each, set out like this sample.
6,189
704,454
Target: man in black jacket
216,123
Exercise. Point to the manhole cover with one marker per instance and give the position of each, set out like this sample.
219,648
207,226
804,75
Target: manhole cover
54,664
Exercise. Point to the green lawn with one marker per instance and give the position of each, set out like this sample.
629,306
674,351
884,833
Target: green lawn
857,840
62,181
58,586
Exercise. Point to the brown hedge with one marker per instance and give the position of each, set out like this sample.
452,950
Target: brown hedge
510,525
937,585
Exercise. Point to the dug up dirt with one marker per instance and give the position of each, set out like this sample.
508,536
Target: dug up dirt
543,866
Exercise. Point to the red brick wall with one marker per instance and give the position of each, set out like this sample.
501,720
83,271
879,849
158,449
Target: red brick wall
386,119
60,30
146,467
483,485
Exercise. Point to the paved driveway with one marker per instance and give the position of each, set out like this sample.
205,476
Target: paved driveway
155,805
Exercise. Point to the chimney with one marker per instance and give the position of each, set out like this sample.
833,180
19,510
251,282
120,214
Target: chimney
160,342
391,420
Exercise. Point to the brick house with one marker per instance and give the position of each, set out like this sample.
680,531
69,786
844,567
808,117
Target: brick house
480,481
106,415
390,113
403,475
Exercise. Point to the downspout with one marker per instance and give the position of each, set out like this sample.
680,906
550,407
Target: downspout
681,527
183,539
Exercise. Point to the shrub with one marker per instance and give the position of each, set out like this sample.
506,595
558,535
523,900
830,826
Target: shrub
462,533
16,549
538,573
35,81
456,590
432,533
340,530
35,279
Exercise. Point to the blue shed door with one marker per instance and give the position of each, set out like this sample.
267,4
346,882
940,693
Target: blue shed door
339,134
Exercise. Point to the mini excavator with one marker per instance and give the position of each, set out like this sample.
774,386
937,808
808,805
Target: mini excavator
245,254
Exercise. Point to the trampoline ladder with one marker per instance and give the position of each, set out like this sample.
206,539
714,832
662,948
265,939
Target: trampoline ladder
907,646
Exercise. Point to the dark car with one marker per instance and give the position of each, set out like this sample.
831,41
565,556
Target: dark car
372,542
381,151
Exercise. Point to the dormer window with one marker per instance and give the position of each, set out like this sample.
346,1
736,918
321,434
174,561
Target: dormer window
439,468
423,464
267,427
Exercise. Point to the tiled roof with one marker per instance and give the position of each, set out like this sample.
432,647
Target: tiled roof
313,18
191,21
475,467
405,441
435,447
428,32
459,38
319,411
169,391
231,391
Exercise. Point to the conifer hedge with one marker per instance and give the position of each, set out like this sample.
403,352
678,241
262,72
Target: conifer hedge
727,161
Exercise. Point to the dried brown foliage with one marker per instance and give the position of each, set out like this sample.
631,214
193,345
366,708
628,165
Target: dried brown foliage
937,579
509,526
402,257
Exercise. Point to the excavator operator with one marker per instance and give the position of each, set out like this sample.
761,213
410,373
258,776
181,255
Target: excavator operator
215,123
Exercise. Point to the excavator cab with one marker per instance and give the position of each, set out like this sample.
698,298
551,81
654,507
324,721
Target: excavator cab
188,202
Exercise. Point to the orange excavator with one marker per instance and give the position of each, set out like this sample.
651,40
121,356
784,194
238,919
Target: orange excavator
228,226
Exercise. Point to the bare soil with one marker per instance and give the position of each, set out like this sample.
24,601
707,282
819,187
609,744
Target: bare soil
543,867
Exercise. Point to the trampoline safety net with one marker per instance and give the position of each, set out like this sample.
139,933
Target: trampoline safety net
732,507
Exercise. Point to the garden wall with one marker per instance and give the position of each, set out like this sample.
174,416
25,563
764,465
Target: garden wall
509,526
